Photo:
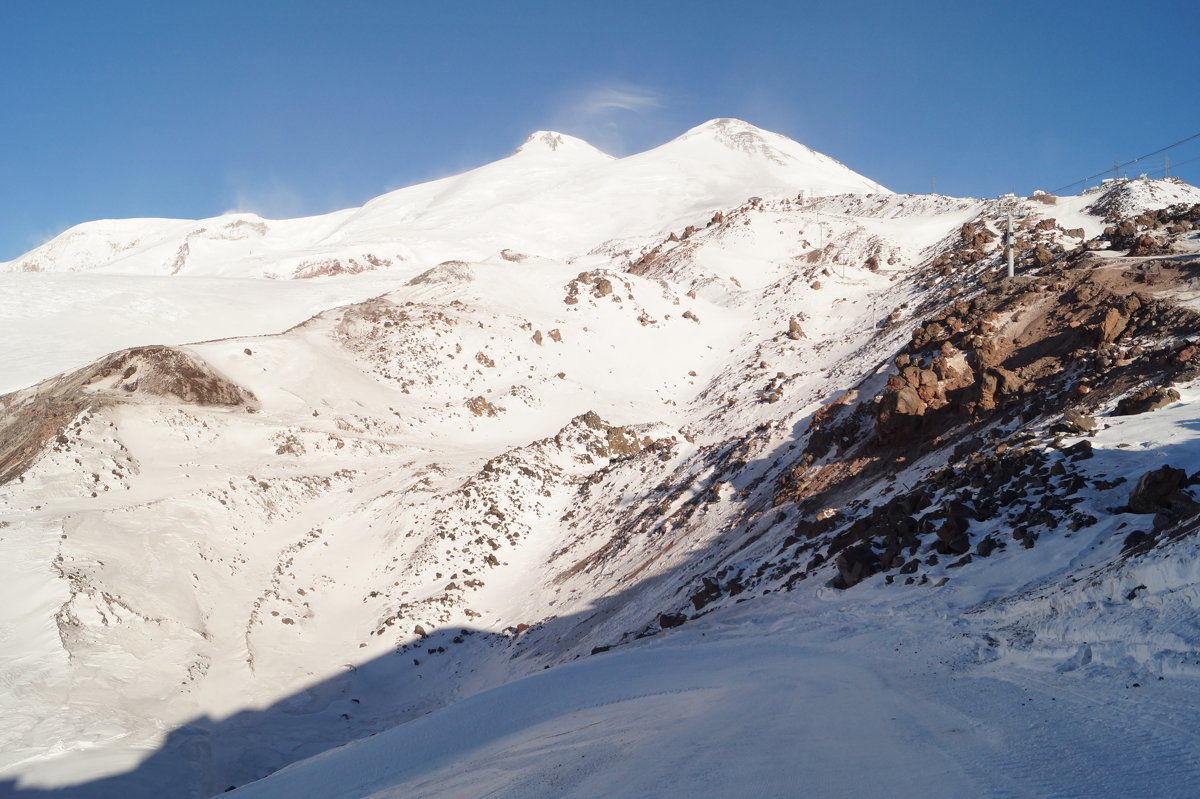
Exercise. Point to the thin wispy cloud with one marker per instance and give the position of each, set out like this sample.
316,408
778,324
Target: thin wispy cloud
605,113
604,99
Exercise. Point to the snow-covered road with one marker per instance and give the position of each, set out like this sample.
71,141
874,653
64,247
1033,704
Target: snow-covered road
759,708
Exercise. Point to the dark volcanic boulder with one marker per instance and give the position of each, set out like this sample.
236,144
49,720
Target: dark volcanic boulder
709,591
952,533
669,620
855,565
1158,490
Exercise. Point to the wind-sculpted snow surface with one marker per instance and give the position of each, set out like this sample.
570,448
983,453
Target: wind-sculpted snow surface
791,494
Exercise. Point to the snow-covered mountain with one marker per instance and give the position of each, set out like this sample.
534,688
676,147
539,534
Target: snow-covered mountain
612,480
556,196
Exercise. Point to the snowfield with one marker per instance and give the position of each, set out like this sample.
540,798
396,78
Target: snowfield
718,468
65,321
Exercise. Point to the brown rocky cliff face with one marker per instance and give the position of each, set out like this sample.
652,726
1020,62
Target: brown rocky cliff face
1014,345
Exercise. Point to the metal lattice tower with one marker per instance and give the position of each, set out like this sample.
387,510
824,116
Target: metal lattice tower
1010,206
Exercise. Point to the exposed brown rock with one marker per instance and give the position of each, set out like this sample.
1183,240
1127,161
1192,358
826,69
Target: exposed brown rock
996,384
900,412
479,406
1112,326
619,442
1146,244
1077,422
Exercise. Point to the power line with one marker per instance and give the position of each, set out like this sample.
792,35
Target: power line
1175,165
1116,167
1160,170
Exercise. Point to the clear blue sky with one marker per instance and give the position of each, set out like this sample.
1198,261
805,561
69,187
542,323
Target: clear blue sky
190,109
